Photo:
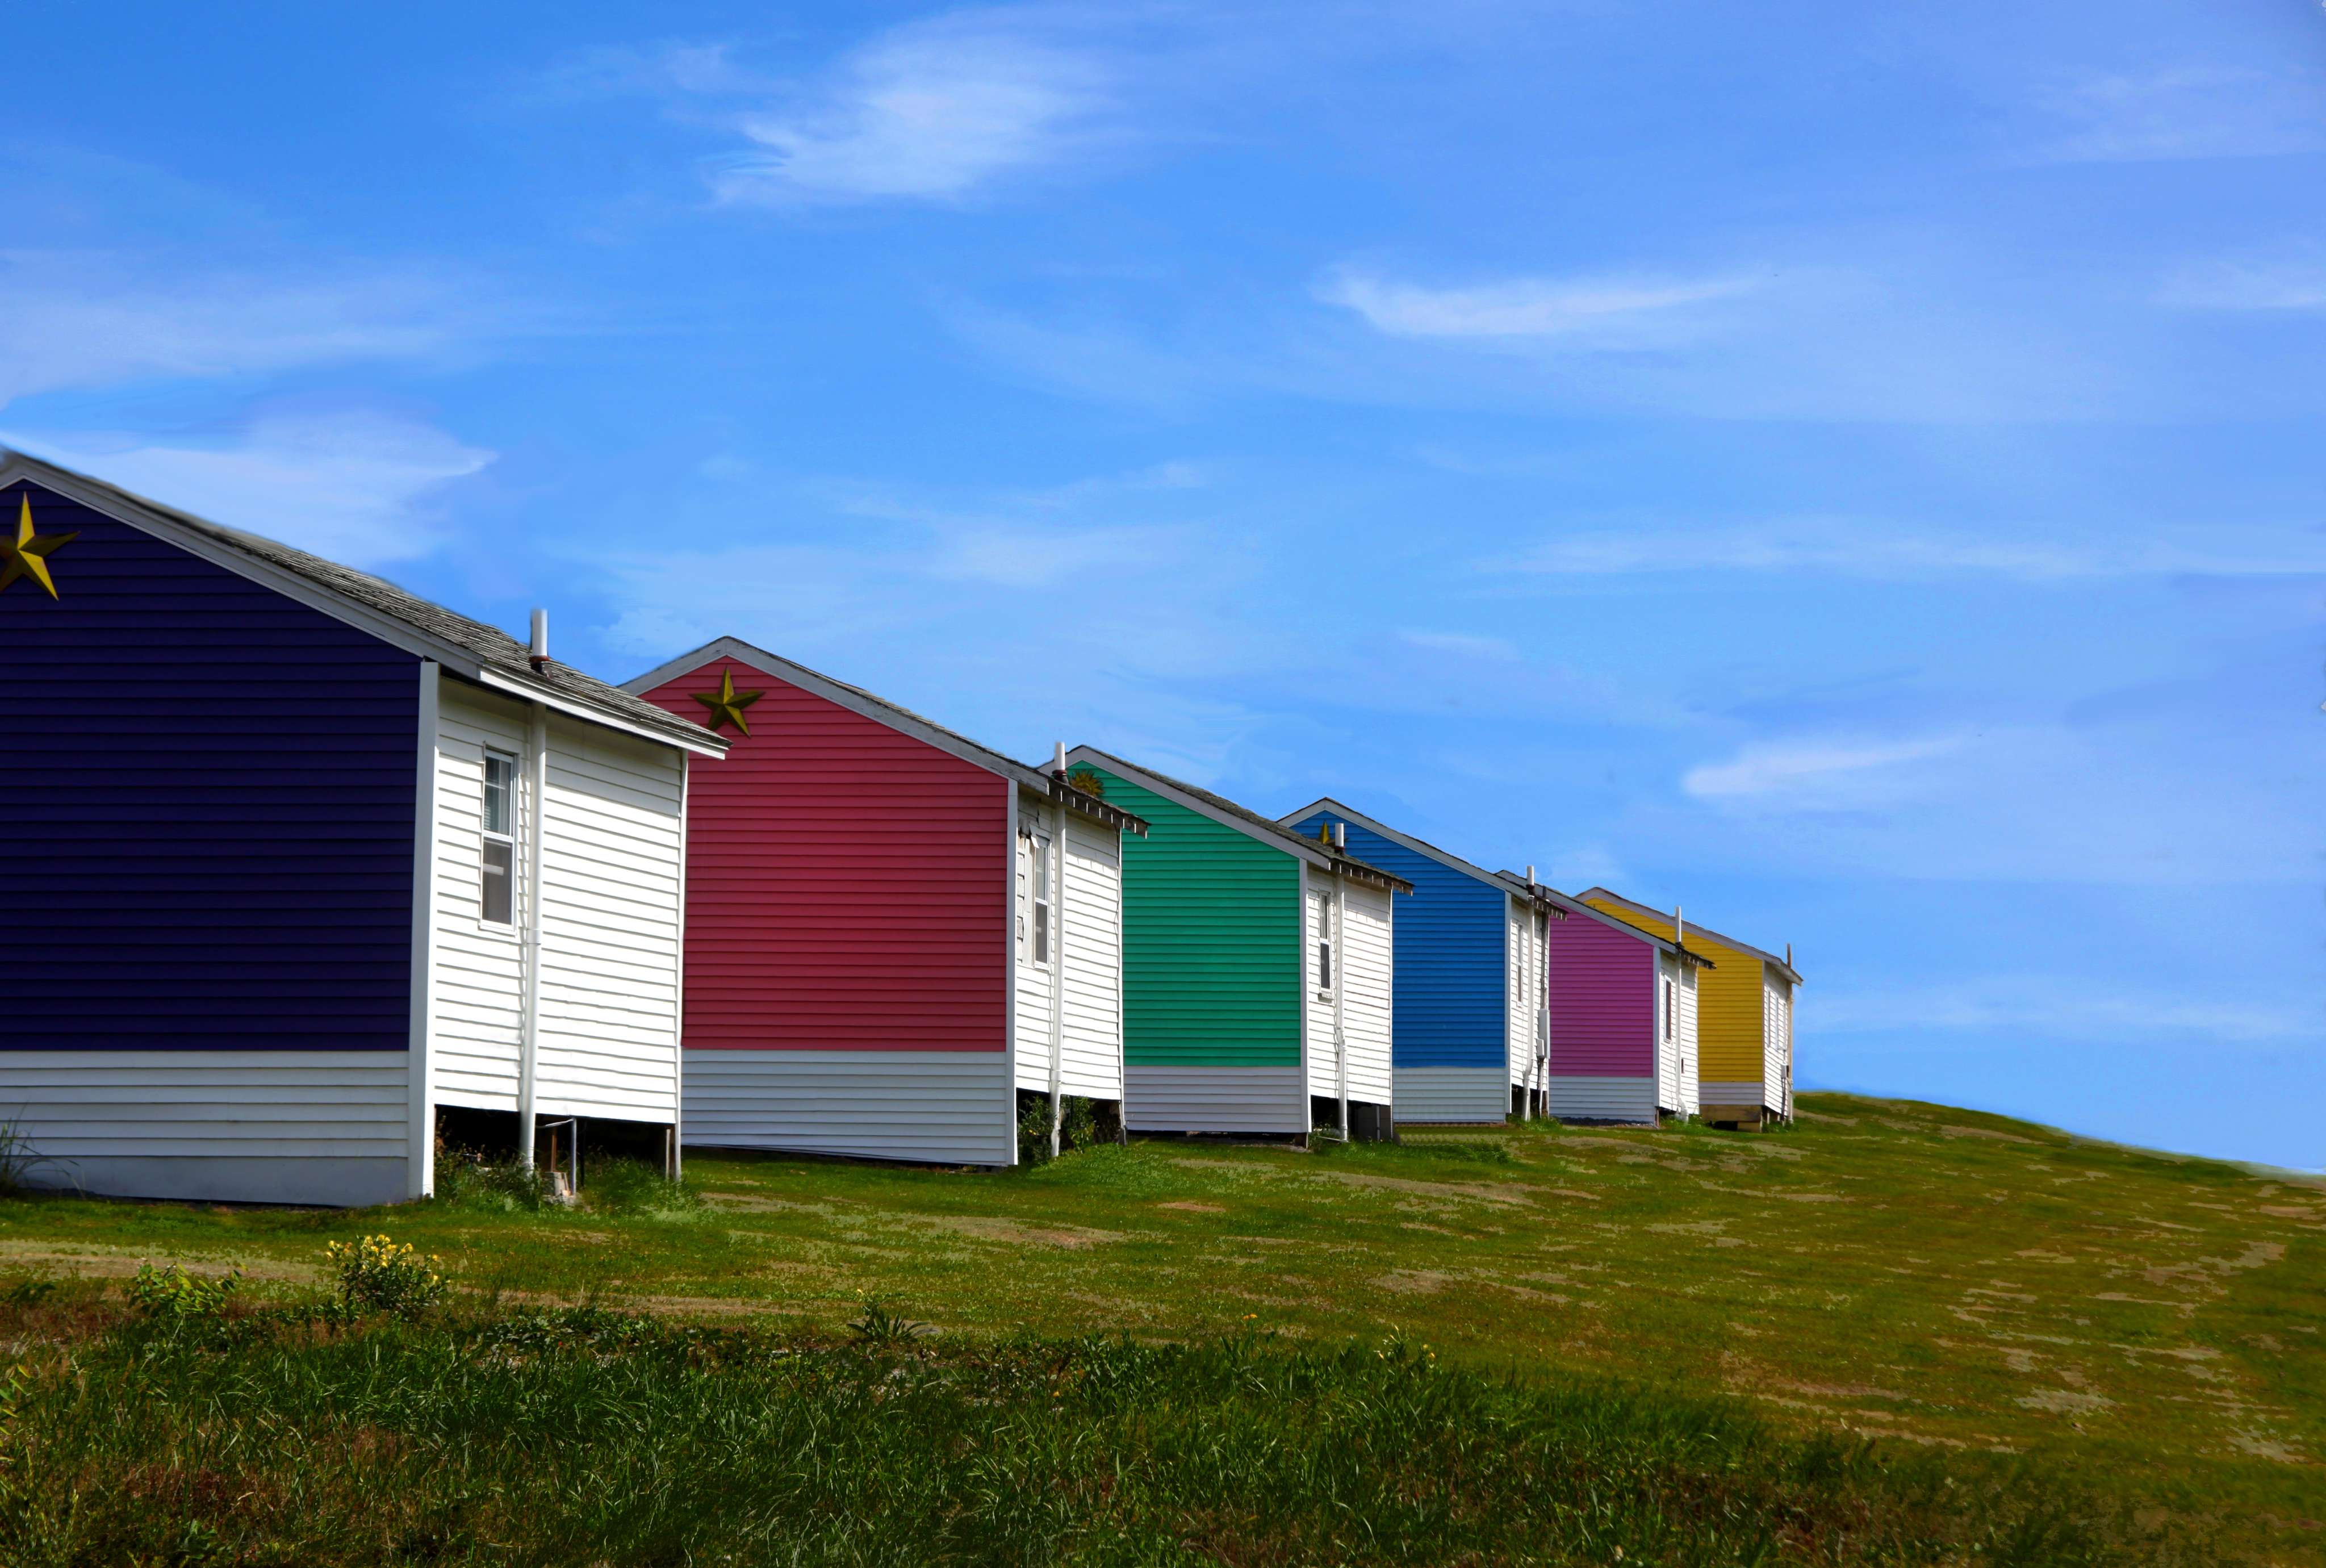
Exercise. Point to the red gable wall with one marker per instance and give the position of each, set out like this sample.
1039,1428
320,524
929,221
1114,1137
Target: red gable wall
846,886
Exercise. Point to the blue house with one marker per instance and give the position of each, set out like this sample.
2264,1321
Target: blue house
1469,987
305,871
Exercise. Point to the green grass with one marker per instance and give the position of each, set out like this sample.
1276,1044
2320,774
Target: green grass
2140,1332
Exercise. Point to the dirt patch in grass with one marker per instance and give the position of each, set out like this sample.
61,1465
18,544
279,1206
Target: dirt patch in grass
1460,1191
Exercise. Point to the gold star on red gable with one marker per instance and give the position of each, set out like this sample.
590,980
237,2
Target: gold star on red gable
26,554
726,703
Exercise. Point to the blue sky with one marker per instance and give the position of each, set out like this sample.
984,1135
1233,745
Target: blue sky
1858,473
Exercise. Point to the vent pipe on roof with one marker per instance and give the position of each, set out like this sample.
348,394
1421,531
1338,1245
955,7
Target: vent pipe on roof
1529,874
1789,955
1058,760
539,655
1680,928
1340,835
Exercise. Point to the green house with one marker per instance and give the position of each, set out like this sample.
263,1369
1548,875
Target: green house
1256,968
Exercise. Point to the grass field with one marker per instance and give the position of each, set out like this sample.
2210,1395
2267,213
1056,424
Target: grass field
2014,1315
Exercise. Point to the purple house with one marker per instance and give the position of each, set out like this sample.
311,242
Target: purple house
1622,1013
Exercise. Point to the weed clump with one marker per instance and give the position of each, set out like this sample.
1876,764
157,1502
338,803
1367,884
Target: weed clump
626,1186
175,1294
380,1275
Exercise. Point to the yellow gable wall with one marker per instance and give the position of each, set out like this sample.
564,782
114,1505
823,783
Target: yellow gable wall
1729,1003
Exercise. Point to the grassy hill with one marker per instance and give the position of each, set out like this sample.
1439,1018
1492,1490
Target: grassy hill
2140,1328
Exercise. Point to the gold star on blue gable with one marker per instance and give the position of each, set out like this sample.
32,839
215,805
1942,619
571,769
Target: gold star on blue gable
27,555
726,703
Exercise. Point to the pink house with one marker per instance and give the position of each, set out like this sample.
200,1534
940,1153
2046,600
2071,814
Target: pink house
1622,1017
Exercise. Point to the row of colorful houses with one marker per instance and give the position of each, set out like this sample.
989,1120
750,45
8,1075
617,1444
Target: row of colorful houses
314,878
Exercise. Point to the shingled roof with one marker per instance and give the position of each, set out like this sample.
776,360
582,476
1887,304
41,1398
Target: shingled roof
469,647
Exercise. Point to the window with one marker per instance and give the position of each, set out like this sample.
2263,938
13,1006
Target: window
1324,942
1041,900
497,853
1670,1029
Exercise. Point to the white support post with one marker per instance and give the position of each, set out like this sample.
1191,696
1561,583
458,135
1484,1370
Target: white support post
420,1132
1057,969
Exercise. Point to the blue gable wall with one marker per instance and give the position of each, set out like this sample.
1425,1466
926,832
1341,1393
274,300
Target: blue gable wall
210,793
1447,1003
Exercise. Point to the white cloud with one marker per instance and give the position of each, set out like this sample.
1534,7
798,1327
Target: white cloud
352,486
72,320
1819,774
1462,643
2247,286
1604,313
1870,551
2057,1007
935,111
2186,112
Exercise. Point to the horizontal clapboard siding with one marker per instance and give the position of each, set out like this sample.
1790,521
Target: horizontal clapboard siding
610,938
1452,1094
1667,1041
1716,1096
1730,1001
212,787
1602,1001
1212,935
1450,954
477,973
1093,953
279,1126
1777,1030
953,1107
1691,1044
848,885
1367,1010
1604,1100
1214,1100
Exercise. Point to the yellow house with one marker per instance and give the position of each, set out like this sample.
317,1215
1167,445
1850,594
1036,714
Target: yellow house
1744,1018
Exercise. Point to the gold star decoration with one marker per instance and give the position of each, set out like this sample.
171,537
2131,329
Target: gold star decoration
26,554
726,703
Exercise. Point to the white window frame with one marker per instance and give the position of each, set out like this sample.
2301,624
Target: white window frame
1042,936
1671,1010
487,836
1323,952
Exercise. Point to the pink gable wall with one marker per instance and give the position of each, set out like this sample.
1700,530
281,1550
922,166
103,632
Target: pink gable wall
1603,1017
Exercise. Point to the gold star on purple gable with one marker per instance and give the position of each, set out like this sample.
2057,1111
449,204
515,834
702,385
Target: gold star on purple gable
726,703
26,554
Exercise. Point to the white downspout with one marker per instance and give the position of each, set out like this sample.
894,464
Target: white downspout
536,767
1057,956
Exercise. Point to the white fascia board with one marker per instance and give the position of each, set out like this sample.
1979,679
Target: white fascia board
839,693
1769,958
1289,842
1418,846
395,633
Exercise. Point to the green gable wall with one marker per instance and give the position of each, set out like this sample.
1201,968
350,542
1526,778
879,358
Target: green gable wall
1210,940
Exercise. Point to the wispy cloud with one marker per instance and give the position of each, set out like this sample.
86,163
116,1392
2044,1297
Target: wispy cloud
78,320
2055,1007
1872,551
1585,312
2238,286
1466,644
933,111
1826,773
2186,112
354,486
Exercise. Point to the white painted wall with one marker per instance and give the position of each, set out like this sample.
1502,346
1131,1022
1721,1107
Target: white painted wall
1691,1040
1668,1031
1776,1041
1518,968
1091,951
611,869
1367,920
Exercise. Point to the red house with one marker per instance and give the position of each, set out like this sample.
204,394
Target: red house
895,935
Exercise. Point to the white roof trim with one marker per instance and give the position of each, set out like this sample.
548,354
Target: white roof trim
1429,851
1289,842
1706,932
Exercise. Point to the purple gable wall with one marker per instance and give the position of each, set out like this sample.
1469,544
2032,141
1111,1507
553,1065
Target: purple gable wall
1602,1002
210,792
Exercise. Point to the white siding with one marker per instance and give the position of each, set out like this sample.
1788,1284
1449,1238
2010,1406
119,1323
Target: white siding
280,1126
1368,974
1669,1048
1089,946
1690,1040
609,897
1216,1100
1777,1042
473,1037
1518,970
1094,959
1316,1003
1604,1100
1452,1094
1031,989
609,935
940,1105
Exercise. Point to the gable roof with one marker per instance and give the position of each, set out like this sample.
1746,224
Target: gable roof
1220,809
468,648
1551,898
1419,846
880,710
1639,909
